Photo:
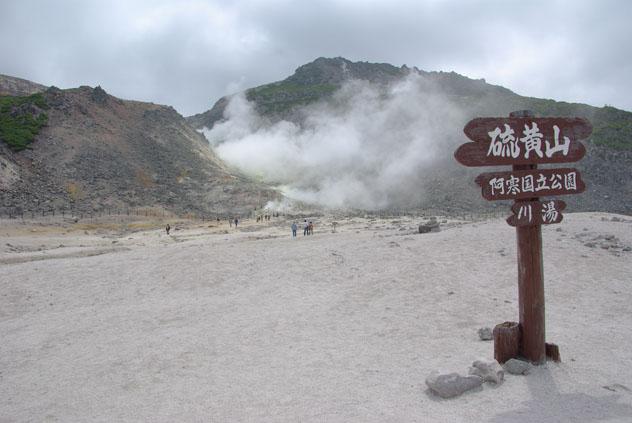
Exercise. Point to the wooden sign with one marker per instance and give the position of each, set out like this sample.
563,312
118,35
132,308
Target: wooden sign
523,140
522,184
531,213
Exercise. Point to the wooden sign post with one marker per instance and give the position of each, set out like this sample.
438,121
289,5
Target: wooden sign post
524,141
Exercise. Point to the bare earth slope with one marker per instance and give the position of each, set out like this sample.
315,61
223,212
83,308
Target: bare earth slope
251,325
98,152
10,85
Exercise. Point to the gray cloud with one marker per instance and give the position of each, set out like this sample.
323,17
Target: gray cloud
189,53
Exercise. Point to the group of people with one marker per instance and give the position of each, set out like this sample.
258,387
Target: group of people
308,228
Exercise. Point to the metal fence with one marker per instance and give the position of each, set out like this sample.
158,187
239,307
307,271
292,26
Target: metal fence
126,213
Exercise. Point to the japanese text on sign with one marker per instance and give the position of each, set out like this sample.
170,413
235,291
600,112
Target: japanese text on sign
528,183
533,183
505,144
548,212
532,212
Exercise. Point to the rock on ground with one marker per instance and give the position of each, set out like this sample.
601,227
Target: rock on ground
517,367
485,334
452,384
489,371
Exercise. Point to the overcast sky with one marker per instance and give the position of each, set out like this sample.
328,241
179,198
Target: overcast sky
188,53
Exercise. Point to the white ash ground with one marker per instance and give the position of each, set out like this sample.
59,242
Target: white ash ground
218,324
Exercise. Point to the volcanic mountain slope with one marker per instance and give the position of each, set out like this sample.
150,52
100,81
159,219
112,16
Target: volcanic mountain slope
606,167
97,151
10,85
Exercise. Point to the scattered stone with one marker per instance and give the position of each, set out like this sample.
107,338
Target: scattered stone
485,334
431,226
590,244
452,385
615,387
489,371
558,230
517,367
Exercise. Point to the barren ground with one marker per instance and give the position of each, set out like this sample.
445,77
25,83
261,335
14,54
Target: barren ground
110,322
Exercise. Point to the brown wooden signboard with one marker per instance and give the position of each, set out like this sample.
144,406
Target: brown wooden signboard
524,141
515,141
524,184
531,213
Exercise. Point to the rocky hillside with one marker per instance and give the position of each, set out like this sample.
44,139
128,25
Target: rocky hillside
10,85
95,151
606,168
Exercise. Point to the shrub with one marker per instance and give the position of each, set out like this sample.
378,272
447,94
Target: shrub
21,119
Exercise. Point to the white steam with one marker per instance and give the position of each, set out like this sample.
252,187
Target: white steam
367,147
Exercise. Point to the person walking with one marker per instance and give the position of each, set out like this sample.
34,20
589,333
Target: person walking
310,228
305,227
168,228
294,228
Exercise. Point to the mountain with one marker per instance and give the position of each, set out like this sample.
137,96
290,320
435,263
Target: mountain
85,149
606,167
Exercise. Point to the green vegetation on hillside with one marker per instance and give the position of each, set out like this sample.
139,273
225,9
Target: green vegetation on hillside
612,127
21,119
281,96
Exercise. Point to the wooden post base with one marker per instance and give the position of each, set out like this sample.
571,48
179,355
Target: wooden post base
508,344
507,337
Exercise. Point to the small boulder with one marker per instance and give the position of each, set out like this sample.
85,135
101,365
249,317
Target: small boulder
489,371
517,367
485,334
431,226
452,384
